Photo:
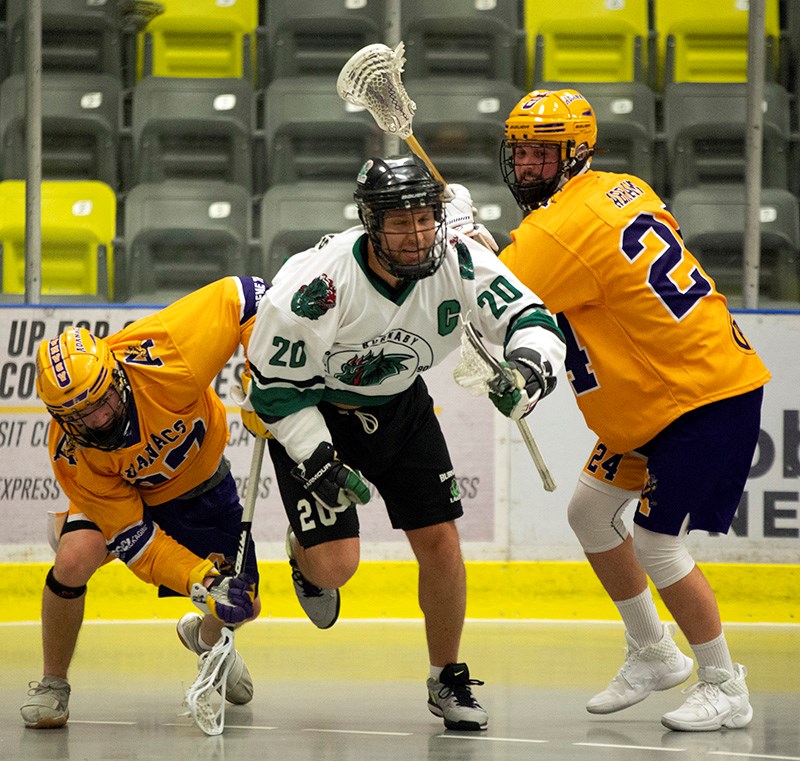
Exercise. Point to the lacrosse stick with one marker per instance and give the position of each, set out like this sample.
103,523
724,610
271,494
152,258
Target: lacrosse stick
479,372
216,663
371,79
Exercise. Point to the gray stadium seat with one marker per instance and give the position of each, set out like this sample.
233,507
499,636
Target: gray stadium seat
705,126
80,116
193,128
77,36
312,134
313,38
464,38
626,124
181,235
294,218
712,223
460,122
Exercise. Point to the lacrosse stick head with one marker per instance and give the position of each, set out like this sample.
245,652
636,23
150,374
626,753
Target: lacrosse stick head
372,79
478,371
205,699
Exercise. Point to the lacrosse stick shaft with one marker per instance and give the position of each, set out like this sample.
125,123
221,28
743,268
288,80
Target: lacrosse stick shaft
249,503
548,481
413,143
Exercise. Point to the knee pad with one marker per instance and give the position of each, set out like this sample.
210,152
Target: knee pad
663,556
595,515
62,590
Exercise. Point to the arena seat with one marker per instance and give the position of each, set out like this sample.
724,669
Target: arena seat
707,41
313,38
193,128
183,234
77,36
463,38
78,229
80,127
706,124
712,224
587,41
294,217
460,123
312,134
200,38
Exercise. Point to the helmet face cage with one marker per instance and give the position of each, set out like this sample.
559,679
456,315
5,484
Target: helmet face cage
77,376
113,435
529,179
402,184
549,138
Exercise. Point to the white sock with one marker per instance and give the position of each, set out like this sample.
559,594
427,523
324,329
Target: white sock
641,618
436,671
714,654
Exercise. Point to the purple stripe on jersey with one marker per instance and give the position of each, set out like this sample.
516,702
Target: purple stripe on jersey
253,290
129,543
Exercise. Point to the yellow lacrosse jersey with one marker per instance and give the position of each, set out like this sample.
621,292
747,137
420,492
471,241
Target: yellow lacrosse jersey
178,429
649,337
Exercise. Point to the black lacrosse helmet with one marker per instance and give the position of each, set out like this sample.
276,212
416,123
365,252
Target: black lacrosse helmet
401,182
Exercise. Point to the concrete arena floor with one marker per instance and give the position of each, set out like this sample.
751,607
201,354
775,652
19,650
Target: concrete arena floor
357,692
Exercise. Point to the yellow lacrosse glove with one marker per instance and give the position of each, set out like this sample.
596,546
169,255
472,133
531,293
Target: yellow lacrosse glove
250,418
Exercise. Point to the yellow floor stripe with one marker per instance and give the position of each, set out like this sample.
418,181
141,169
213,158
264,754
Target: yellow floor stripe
518,590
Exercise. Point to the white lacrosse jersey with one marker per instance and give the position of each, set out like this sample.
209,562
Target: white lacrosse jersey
329,329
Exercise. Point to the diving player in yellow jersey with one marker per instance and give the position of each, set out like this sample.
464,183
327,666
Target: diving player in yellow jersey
664,377
136,443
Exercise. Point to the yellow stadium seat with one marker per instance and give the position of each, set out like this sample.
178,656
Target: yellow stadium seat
200,38
587,41
707,41
78,227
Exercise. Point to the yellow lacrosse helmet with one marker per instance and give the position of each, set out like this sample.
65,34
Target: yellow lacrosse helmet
563,119
76,372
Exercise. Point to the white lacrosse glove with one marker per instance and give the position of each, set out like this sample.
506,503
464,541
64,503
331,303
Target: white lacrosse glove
532,379
460,214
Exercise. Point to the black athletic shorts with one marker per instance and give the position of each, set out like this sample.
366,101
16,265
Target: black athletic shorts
399,447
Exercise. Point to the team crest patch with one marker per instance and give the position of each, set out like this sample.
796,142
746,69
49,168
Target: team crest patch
140,354
455,492
315,298
370,369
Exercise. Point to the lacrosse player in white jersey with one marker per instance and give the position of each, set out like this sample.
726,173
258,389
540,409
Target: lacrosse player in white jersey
337,352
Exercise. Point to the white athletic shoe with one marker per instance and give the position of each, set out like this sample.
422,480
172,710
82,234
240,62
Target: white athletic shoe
47,706
659,666
320,605
717,700
239,684
450,696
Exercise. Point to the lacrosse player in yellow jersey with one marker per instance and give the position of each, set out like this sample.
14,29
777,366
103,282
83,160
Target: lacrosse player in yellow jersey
663,376
136,443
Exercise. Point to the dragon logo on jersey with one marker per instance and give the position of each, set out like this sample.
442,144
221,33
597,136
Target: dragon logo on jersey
315,298
370,369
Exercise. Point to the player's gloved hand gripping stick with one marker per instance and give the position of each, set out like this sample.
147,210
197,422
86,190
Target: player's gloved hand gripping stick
513,391
216,664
